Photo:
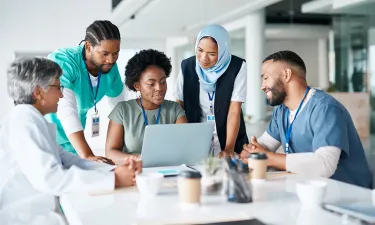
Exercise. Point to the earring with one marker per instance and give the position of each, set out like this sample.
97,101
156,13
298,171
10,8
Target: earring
43,102
138,94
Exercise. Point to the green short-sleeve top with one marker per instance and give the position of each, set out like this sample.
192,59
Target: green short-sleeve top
129,115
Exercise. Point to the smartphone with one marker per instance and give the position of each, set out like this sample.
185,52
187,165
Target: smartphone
169,172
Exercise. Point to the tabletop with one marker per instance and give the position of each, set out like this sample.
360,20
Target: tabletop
274,202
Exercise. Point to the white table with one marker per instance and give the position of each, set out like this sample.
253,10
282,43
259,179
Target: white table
275,202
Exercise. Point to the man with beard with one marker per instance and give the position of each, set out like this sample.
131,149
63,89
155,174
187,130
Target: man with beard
316,131
89,73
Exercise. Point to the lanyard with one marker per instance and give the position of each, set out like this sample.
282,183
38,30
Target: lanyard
211,97
92,89
289,127
145,116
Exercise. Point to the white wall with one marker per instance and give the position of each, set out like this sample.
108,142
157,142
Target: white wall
306,49
42,26
143,43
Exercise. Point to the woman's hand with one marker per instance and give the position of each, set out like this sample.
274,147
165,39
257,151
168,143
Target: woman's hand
135,157
227,153
100,159
132,163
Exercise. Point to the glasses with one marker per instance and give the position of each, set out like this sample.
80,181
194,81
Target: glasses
58,86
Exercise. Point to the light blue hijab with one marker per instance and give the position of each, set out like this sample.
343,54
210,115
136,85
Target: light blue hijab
208,77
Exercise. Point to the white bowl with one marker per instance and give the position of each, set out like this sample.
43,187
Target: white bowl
311,193
149,183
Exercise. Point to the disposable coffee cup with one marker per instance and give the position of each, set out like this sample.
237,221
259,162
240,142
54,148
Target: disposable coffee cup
257,163
189,187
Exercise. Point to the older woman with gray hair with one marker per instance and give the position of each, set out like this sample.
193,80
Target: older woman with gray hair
34,170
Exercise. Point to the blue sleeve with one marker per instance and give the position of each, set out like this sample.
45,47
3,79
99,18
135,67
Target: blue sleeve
117,85
329,125
273,127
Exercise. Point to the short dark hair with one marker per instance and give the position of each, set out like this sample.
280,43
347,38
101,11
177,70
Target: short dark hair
141,61
25,74
288,57
101,30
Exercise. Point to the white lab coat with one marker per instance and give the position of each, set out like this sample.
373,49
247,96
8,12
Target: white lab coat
34,170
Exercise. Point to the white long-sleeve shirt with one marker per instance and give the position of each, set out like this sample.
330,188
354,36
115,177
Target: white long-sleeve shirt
323,162
34,170
67,111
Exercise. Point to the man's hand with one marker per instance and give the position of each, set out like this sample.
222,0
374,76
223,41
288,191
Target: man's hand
100,159
226,153
253,147
244,155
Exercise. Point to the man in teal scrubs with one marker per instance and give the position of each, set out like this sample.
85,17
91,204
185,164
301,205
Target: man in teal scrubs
89,73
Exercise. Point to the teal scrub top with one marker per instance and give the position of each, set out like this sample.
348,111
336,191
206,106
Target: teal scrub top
76,78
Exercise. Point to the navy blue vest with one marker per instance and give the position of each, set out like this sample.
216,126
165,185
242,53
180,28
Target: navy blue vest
223,94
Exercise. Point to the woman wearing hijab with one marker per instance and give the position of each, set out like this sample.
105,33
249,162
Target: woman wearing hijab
211,87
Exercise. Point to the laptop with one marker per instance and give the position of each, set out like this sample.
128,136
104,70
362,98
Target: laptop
176,144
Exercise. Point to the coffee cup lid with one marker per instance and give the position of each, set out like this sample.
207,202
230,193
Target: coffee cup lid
190,174
258,155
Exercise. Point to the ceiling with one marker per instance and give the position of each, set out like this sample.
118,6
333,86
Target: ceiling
289,11
289,31
340,7
169,18
360,12
165,18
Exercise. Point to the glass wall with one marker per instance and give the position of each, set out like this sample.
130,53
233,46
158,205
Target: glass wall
354,63
184,52
351,53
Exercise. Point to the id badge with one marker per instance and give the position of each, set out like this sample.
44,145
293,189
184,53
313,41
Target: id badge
95,125
210,118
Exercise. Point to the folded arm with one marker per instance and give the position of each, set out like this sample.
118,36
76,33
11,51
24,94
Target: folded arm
69,159
268,142
38,158
322,162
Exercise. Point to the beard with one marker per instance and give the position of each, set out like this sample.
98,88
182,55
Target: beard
278,94
100,66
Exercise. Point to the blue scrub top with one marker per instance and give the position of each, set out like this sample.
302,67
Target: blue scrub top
325,122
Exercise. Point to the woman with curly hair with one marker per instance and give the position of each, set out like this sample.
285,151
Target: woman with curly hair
146,73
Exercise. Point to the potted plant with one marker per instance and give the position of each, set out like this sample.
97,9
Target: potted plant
212,176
